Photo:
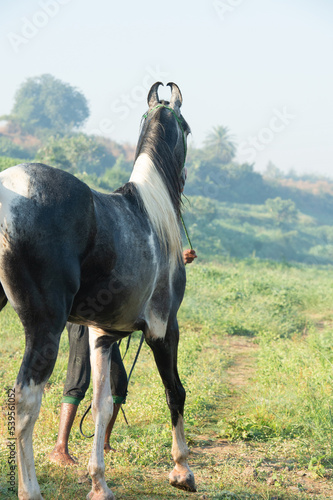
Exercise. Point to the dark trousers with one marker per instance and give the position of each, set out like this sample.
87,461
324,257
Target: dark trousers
78,370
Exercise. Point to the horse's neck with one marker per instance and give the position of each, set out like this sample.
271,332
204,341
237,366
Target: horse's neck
158,204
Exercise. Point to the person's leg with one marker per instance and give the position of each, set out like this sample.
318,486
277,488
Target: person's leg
60,453
77,383
118,379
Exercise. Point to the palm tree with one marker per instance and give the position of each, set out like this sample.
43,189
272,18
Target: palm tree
220,145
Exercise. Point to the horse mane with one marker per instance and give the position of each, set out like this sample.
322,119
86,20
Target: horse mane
156,175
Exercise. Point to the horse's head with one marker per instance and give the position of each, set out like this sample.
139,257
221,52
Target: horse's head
165,127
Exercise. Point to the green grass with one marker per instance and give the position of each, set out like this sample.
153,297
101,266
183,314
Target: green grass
285,412
240,230
291,395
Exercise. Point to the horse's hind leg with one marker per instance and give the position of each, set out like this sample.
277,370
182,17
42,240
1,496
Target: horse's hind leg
42,343
43,311
102,407
165,354
37,365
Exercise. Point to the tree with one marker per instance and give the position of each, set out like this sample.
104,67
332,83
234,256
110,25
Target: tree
220,146
10,149
283,210
76,153
116,176
44,102
272,171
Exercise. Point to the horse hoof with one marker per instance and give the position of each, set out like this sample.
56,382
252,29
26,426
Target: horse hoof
34,495
182,480
100,495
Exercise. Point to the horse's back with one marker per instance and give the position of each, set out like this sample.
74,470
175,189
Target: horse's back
38,201
46,226
43,185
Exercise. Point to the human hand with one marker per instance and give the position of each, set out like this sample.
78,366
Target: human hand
189,256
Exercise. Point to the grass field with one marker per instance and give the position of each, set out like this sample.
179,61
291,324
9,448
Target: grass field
255,357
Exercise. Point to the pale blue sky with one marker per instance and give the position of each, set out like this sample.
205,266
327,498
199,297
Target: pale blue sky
263,68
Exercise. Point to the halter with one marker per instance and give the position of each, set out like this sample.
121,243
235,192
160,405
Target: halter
178,120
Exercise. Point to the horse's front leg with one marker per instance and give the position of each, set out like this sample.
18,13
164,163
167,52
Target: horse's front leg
102,407
165,353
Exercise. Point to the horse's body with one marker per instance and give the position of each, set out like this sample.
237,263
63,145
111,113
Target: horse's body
111,262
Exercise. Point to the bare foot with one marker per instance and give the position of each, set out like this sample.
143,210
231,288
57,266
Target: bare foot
61,458
107,448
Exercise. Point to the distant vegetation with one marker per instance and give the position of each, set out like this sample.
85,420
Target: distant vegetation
46,104
232,210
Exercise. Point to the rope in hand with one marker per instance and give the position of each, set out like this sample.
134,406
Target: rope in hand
186,232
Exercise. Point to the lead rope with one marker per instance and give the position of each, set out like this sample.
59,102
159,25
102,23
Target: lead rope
81,423
131,371
128,379
186,232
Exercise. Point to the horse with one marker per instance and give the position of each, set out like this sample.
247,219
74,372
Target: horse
112,262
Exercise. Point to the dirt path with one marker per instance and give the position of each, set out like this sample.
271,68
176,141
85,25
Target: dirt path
250,470
242,352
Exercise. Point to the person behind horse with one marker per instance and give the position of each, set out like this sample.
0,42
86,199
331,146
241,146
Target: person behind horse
78,380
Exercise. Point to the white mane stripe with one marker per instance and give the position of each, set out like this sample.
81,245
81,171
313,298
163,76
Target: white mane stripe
158,205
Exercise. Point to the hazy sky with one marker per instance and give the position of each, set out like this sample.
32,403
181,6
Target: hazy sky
263,68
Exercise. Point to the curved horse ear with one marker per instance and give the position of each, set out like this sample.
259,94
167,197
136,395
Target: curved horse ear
176,99
153,98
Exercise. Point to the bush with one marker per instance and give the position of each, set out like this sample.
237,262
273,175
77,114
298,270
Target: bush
76,153
282,210
6,162
10,149
116,176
